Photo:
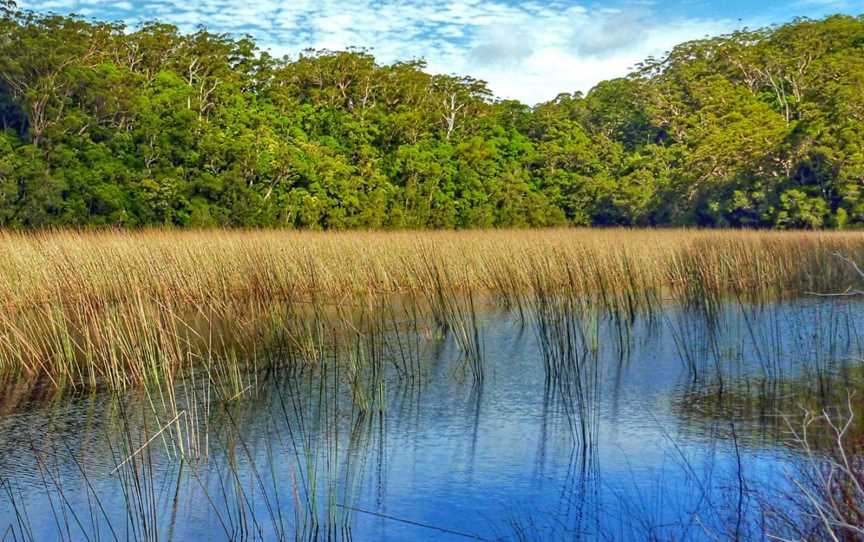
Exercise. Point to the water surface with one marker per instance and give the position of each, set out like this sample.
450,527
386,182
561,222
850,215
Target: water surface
676,429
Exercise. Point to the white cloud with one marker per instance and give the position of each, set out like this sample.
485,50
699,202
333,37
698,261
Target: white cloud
530,51
505,45
580,60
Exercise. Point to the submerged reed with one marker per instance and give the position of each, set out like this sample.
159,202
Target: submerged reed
347,370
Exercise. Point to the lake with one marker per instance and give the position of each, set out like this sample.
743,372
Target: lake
676,424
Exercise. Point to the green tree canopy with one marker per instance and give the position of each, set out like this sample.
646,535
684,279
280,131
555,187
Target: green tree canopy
104,125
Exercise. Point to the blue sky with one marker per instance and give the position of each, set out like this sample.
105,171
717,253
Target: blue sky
529,50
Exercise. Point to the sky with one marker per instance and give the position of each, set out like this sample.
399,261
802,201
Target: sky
526,50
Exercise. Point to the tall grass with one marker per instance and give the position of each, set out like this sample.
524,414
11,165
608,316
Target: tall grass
121,309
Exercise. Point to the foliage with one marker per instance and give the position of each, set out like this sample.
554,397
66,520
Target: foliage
104,125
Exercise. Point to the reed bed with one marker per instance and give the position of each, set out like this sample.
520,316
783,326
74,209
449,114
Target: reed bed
182,267
125,308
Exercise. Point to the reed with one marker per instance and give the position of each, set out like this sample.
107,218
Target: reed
120,309
204,267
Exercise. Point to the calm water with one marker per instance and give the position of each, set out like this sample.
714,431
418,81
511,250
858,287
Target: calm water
443,458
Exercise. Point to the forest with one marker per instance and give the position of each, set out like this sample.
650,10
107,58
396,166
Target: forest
104,125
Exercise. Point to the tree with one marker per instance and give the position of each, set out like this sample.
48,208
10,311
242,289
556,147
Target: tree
104,125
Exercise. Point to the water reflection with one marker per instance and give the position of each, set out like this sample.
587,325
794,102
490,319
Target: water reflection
580,427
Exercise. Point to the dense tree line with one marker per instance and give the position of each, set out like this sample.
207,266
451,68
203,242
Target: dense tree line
102,125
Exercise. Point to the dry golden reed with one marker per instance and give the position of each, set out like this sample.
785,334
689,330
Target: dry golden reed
177,267
122,308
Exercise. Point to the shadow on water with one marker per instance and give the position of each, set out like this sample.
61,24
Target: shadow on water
552,419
